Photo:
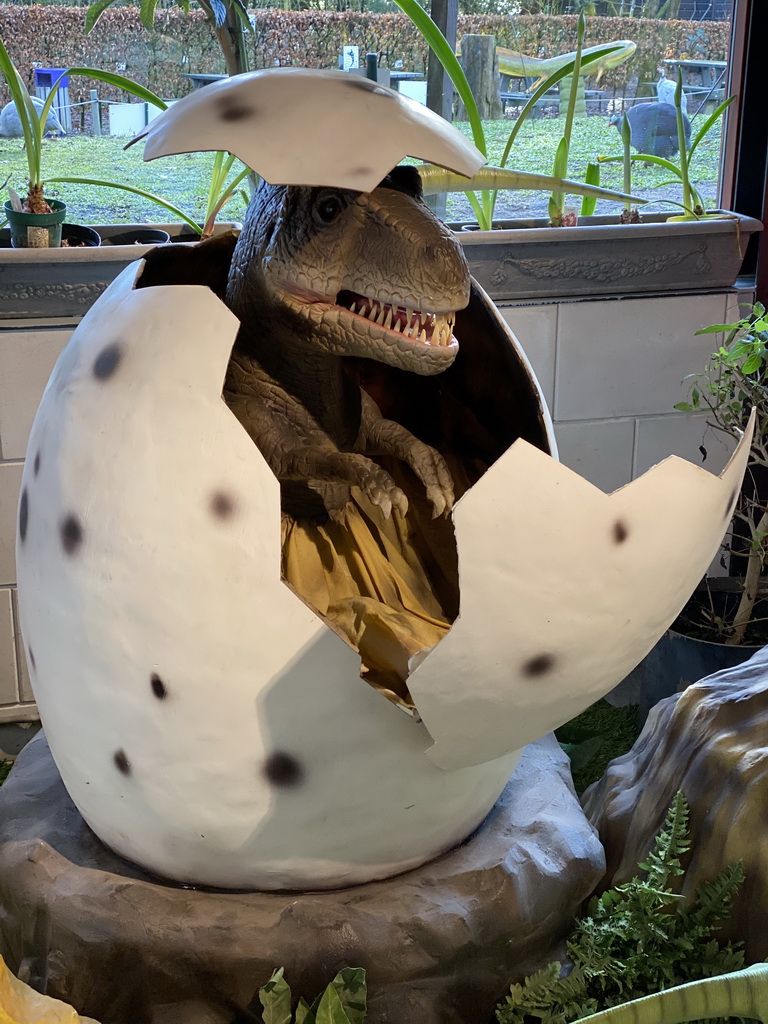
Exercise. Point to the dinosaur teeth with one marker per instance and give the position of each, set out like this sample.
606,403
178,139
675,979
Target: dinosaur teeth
388,319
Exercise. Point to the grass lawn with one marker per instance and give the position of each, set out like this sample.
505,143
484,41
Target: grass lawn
183,179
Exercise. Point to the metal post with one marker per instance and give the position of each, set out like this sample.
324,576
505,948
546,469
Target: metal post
95,113
372,66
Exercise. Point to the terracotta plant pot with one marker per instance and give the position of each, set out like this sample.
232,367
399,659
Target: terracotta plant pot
36,230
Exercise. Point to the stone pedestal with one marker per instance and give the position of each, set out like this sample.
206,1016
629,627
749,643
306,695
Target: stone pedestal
440,944
710,742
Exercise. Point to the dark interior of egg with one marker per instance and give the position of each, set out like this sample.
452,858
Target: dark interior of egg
406,596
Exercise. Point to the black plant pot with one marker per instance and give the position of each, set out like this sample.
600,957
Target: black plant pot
78,235
676,661
138,236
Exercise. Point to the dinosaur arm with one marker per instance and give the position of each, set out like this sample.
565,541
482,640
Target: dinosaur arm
740,994
379,436
296,449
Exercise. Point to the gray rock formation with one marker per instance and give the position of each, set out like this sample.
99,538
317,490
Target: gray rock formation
711,742
440,944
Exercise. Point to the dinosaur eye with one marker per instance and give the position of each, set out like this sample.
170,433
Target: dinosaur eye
328,207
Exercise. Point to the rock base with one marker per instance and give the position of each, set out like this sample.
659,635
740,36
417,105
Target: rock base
709,742
440,944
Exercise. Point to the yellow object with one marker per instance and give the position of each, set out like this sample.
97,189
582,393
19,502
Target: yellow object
20,1004
361,574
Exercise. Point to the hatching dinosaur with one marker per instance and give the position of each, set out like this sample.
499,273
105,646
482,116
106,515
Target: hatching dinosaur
320,274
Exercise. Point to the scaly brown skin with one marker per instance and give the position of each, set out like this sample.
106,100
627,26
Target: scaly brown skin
304,256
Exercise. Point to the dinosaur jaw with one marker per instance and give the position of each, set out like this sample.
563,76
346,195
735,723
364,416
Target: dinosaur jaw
413,325
401,336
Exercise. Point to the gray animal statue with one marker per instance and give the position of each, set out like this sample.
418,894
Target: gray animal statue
10,125
665,90
653,128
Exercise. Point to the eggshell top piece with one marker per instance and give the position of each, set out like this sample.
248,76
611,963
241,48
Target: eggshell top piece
301,126
574,609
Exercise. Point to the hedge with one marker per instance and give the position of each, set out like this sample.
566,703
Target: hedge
53,37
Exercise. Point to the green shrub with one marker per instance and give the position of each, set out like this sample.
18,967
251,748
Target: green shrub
637,939
342,1002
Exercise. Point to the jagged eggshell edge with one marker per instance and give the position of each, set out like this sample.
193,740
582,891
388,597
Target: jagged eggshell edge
301,126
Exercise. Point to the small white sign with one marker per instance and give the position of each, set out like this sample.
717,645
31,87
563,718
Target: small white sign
351,57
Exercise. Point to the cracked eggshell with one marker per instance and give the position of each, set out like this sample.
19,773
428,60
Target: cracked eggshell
574,609
207,724
351,131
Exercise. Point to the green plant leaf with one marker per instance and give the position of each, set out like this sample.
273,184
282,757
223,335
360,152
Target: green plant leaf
754,362
27,113
352,991
331,1009
591,177
137,192
713,117
716,329
304,1014
147,14
120,82
275,998
94,12
439,44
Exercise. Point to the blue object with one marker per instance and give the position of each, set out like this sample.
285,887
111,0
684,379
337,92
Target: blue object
46,78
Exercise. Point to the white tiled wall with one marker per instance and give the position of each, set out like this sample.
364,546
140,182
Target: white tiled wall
27,357
610,370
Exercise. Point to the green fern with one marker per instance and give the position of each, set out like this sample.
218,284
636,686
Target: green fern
636,939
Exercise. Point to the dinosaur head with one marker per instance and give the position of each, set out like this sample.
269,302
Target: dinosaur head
366,274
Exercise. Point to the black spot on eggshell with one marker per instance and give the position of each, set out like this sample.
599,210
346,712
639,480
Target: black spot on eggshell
283,769
230,111
37,463
620,531
31,658
159,688
23,514
122,763
71,534
107,361
222,505
539,665
360,171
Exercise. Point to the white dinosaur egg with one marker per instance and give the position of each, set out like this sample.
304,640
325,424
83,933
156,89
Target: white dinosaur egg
207,724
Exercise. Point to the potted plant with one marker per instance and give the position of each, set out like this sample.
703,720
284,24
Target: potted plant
531,259
726,620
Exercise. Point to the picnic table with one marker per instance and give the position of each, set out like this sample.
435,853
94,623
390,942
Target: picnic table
198,81
710,72
702,78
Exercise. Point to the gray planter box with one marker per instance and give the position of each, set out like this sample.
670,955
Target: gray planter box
530,260
66,282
